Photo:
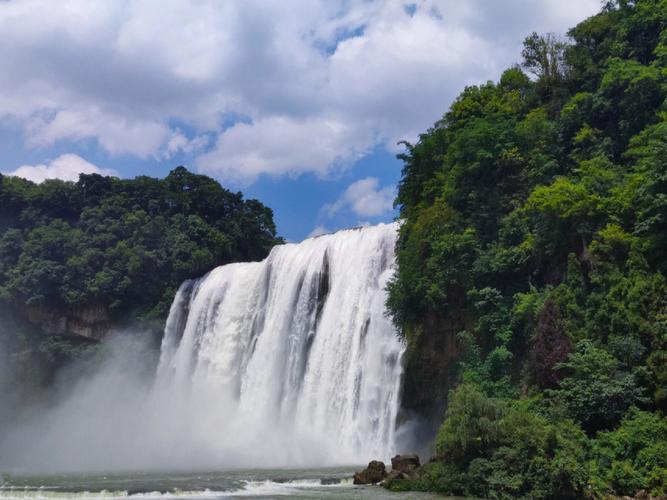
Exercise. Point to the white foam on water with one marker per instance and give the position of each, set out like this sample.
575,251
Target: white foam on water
250,489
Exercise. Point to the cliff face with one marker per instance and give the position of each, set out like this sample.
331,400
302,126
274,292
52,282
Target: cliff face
92,322
432,367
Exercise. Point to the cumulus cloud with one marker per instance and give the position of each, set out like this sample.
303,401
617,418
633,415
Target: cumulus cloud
319,83
66,167
363,198
116,134
281,145
179,143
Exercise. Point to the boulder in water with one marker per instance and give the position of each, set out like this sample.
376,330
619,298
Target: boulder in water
374,473
403,467
405,463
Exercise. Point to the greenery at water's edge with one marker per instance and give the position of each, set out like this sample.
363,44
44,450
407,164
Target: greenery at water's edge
121,244
532,269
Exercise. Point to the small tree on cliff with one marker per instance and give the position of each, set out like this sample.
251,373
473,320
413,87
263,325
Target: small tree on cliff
549,346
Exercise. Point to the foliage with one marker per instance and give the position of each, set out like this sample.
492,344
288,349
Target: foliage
434,476
597,392
125,244
549,347
489,448
532,258
634,456
471,425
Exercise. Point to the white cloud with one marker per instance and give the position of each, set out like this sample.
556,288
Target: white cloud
66,167
320,82
284,146
318,230
179,143
116,134
364,198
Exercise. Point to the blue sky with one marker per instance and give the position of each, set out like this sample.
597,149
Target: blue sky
299,104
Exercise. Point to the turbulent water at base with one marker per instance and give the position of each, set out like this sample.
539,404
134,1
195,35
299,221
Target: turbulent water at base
294,355
305,484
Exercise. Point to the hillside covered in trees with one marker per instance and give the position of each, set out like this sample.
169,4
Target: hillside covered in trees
531,287
78,258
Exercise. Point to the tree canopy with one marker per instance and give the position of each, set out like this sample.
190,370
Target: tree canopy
124,243
531,266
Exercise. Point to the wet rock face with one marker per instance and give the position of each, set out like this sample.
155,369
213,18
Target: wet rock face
92,322
405,463
374,473
404,467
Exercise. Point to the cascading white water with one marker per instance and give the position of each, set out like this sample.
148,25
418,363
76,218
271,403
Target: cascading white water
294,354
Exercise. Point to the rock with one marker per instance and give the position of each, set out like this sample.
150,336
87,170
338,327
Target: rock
92,321
374,473
408,463
397,474
403,467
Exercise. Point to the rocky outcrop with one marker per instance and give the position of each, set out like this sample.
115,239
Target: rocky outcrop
404,467
405,463
373,474
92,322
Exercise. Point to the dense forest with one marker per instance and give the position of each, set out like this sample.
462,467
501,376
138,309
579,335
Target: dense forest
531,287
111,251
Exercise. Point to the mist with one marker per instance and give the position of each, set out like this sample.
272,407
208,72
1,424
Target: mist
109,414
93,417
290,362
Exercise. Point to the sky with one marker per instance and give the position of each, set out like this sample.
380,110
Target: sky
300,104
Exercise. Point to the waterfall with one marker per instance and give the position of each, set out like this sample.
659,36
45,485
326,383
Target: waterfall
294,354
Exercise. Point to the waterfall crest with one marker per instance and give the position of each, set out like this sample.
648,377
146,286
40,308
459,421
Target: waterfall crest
294,354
